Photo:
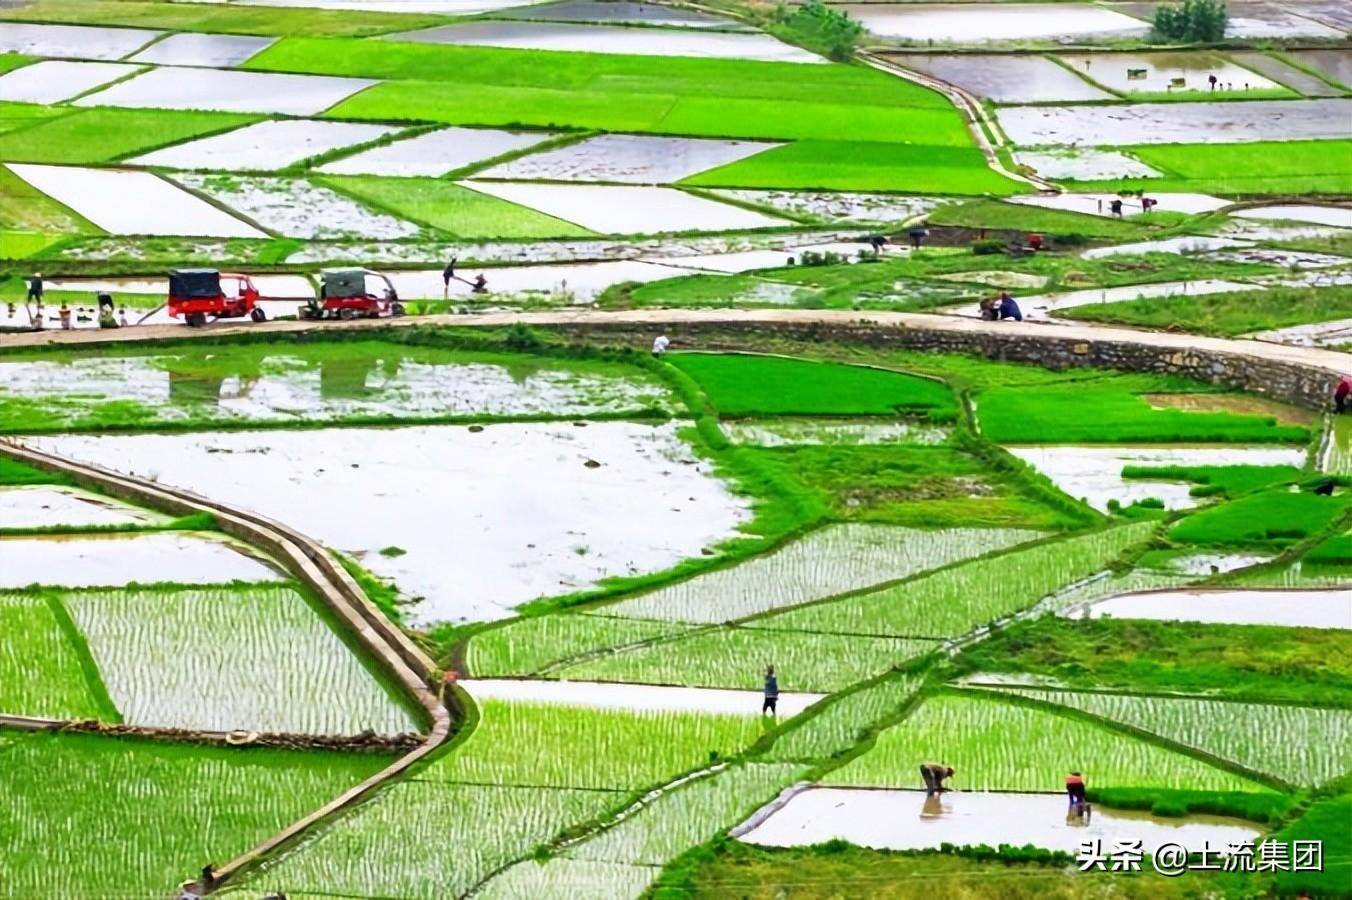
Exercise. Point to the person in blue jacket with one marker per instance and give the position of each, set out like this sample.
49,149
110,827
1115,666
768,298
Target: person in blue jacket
1008,308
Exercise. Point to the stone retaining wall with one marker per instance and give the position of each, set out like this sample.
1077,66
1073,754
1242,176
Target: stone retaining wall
1301,384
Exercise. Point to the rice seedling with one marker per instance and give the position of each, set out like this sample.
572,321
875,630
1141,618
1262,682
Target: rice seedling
427,840
739,385
1276,517
220,659
526,646
1110,584
1055,415
843,721
567,879
40,669
566,746
689,815
737,657
93,816
1010,747
1253,662
832,560
796,432
954,601
1302,745
1328,821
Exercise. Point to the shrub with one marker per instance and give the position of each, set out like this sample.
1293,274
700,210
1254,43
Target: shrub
1194,21
824,28
987,247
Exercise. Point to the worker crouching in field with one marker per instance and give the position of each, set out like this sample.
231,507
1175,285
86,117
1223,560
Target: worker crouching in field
933,775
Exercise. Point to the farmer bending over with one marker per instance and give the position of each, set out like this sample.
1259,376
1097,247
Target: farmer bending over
1008,308
934,775
1075,791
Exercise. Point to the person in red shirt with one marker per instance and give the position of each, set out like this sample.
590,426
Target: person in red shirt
1075,791
1341,391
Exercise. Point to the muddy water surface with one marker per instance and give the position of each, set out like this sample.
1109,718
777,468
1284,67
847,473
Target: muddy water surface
265,146
1005,78
485,519
1295,609
627,159
908,820
635,697
436,152
54,81
980,23
1178,122
116,560
44,506
1148,73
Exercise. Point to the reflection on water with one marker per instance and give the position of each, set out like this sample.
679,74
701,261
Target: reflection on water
909,820
361,379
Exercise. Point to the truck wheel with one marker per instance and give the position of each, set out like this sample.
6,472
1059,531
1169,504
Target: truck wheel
258,315
347,313
197,319
396,309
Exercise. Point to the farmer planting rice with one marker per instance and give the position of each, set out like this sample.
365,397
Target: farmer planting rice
934,774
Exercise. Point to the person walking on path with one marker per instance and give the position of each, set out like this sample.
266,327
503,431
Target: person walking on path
446,275
1341,391
934,775
771,691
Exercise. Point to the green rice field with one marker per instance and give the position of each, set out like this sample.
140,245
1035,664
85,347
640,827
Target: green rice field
721,421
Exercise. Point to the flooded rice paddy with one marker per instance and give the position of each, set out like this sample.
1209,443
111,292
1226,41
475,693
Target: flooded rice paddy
1100,204
126,202
624,12
228,91
1202,564
116,560
259,659
45,506
73,41
979,23
1085,165
435,153
54,81
1258,19
1044,306
1333,64
578,283
1005,78
1285,74
799,432
635,697
264,146
380,382
1289,608
1335,216
1094,474
1187,244
826,562
217,51
839,207
613,39
610,209
296,207
909,820
1165,73
1178,122
627,159
481,521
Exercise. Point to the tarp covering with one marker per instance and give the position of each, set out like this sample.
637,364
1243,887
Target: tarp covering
194,283
344,282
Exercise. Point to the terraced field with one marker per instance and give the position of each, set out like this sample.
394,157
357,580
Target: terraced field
507,607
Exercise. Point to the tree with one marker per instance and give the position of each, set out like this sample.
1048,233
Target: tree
823,28
1194,21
